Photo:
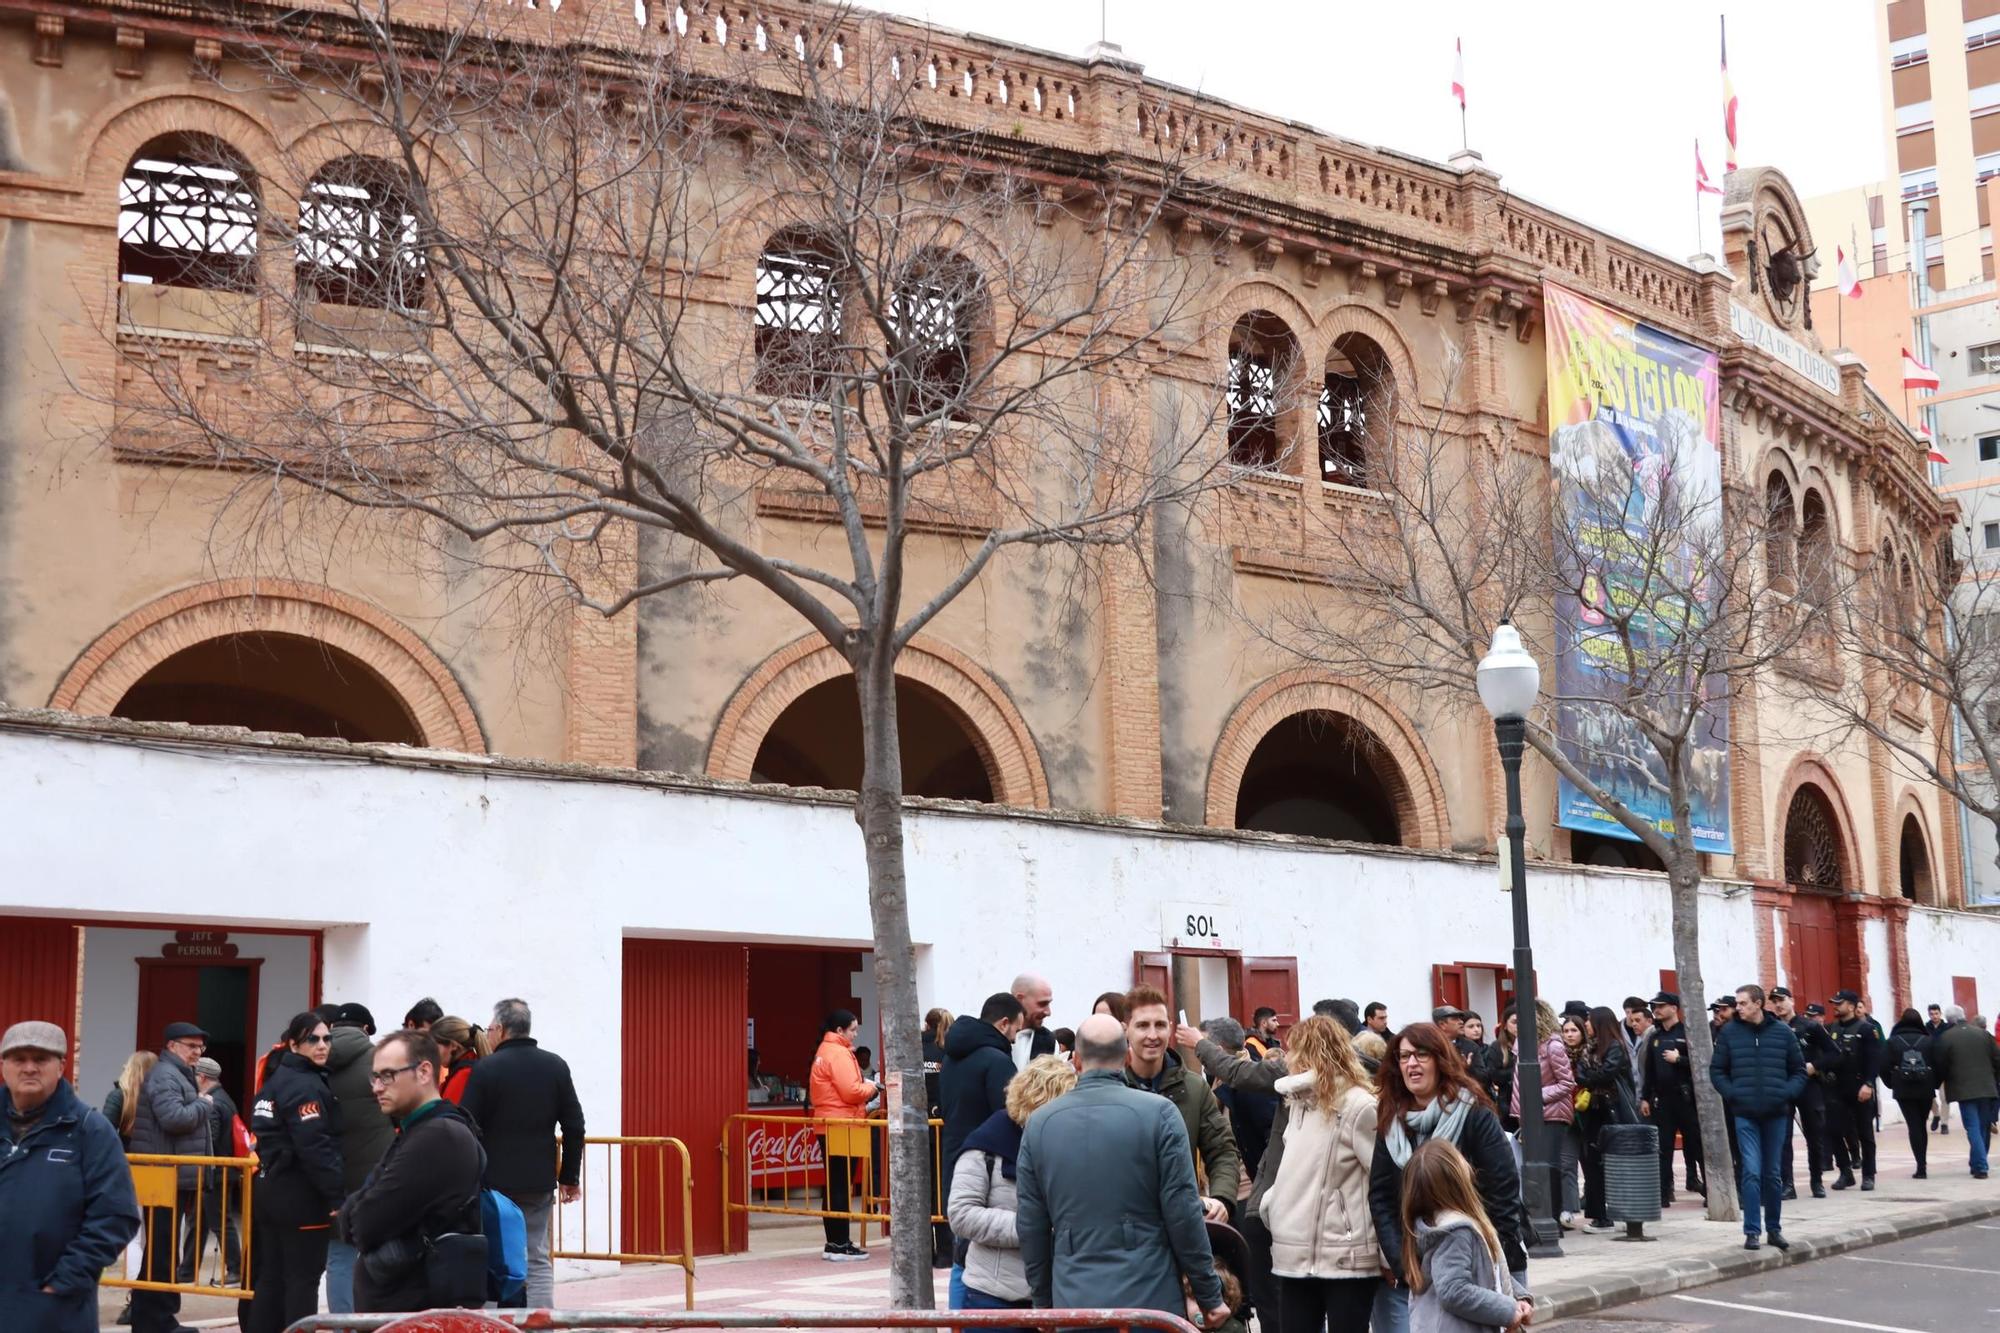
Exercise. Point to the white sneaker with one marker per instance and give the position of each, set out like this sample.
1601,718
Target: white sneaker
1568,1220
843,1254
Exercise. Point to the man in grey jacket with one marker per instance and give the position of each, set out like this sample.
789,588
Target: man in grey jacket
173,1117
1107,1169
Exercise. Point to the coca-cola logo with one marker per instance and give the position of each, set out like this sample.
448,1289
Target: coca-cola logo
775,1148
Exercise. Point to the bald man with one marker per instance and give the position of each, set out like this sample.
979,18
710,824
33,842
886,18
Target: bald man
1036,1000
1108,1168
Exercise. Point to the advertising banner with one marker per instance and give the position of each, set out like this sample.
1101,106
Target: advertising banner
1634,422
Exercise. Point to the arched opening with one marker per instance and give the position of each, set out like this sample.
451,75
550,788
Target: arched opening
1320,774
357,242
187,215
1594,849
935,316
1815,551
272,682
1813,858
1913,864
1259,394
797,318
1780,564
816,742
1357,409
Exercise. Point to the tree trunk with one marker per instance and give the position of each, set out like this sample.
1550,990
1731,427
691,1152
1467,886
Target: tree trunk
1719,1167
879,811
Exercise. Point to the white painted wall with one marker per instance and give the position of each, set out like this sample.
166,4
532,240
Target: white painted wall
1948,944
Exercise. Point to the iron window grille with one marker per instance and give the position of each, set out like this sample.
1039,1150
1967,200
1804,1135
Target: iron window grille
187,219
358,243
797,324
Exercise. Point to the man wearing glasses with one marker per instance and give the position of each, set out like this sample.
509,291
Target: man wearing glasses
425,1186
173,1117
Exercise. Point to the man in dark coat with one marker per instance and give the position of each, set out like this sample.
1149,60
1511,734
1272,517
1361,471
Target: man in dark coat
365,1132
1152,1066
1108,1169
1821,1057
1969,1064
425,1185
1851,1108
1760,1071
978,1064
519,1096
173,1117
221,1195
65,1191
1666,1093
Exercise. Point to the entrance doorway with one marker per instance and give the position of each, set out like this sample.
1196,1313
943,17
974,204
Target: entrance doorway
1813,957
1483,988
220,998
1211,983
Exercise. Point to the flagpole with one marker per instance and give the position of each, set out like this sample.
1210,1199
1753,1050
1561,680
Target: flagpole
1697,199
1464,140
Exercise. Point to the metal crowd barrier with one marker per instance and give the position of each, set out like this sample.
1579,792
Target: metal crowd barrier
214,1206
603,1321
777,1163
639,1166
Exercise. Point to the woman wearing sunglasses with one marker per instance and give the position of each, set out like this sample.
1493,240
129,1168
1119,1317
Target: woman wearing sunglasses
299,1188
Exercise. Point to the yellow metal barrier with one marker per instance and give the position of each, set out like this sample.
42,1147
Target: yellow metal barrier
640,1166
773,1162
219,1201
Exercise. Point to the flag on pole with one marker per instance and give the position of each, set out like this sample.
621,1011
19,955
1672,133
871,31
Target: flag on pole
1458,73
1917,375
1845,277
1728,102
1701,181
1931,453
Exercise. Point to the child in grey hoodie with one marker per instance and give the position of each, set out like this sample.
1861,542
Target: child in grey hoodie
1458,1283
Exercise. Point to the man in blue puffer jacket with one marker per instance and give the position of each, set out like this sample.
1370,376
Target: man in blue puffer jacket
1760,1071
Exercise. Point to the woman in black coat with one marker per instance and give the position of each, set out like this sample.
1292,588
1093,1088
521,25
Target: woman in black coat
299,1187
1913,1093
1495,1068
1427,1093
1604,1070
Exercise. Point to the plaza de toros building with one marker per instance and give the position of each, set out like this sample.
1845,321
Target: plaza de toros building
1099,734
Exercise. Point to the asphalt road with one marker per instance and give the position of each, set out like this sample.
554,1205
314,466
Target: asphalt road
1944,1282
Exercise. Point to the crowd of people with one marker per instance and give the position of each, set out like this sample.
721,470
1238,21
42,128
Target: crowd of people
381,1164
1346,1174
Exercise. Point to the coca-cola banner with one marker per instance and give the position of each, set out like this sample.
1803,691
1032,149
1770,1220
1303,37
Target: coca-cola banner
784,1153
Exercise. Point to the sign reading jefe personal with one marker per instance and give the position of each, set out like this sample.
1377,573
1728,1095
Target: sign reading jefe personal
1634,422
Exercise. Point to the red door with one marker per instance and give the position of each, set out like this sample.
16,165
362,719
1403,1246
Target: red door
1448,985
1814,949
1273,982
38,974
1155,970
686,1009
1965,993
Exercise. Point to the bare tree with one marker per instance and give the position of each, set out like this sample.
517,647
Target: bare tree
1921,637
515,327
1462,532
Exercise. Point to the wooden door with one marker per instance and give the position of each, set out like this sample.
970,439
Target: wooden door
1448,985
1273,982
38,975
1813,946
1155,970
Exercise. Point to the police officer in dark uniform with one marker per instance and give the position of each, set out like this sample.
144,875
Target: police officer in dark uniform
300,1184
1851,1108
1666,1093
1822,1058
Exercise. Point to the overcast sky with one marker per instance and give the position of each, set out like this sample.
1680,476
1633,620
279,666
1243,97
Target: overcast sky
1589,106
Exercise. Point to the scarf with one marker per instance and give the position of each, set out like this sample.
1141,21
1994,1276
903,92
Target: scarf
1436,1121
1000,1137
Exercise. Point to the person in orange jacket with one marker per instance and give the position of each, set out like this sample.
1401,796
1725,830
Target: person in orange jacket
838,1093
462,1046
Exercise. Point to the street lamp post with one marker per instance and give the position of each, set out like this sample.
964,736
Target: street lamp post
1509,682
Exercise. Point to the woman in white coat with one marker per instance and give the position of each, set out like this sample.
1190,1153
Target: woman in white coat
981,1206
1323,1247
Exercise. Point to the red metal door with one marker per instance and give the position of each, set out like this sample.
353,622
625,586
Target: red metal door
1813,956
38,974
1448,985
1155,970
1965,994
686,1008
1273,982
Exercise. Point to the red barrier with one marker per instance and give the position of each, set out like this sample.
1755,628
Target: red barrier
604,1321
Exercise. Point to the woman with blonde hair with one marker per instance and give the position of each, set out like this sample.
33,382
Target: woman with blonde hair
1323,1247
121,1104
460,1046
982,1189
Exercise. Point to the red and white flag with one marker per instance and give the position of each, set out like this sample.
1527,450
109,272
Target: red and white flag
1917,375
1930,446
1728,102
1702,185
1458,73
1844,276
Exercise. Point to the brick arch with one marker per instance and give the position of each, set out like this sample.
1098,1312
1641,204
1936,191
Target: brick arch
999,732
1909,806
1260,293
149,636
1812,769
106,143
1418,799
1351,316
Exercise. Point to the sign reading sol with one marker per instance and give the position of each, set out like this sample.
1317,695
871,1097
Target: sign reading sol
1196,926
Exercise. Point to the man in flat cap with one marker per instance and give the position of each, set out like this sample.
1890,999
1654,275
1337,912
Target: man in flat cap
65,1191
173,1118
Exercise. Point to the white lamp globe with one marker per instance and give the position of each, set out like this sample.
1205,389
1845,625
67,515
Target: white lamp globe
1510,680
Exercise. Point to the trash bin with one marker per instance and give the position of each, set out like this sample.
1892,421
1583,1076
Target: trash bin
1631,1176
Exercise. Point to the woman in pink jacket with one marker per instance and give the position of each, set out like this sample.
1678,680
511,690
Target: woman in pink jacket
838,1093
1558,1108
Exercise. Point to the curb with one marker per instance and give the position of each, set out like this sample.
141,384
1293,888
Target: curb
1562,1300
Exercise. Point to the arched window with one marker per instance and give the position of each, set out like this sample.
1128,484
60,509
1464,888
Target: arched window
798,318
187,215
1913,864
272,682
1357,409
1815,551
1812,842
1780,516
934,316
1321,774
1262,357
358,241
816,742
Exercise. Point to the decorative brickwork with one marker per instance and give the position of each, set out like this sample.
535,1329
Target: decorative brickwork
1418,796
149,636
999,731
1812,769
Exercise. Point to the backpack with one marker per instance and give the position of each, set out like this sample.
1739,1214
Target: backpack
1912,1070
506,1249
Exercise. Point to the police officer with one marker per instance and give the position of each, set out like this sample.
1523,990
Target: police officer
1851,1108
1666,1093
300,1184
1822,1057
